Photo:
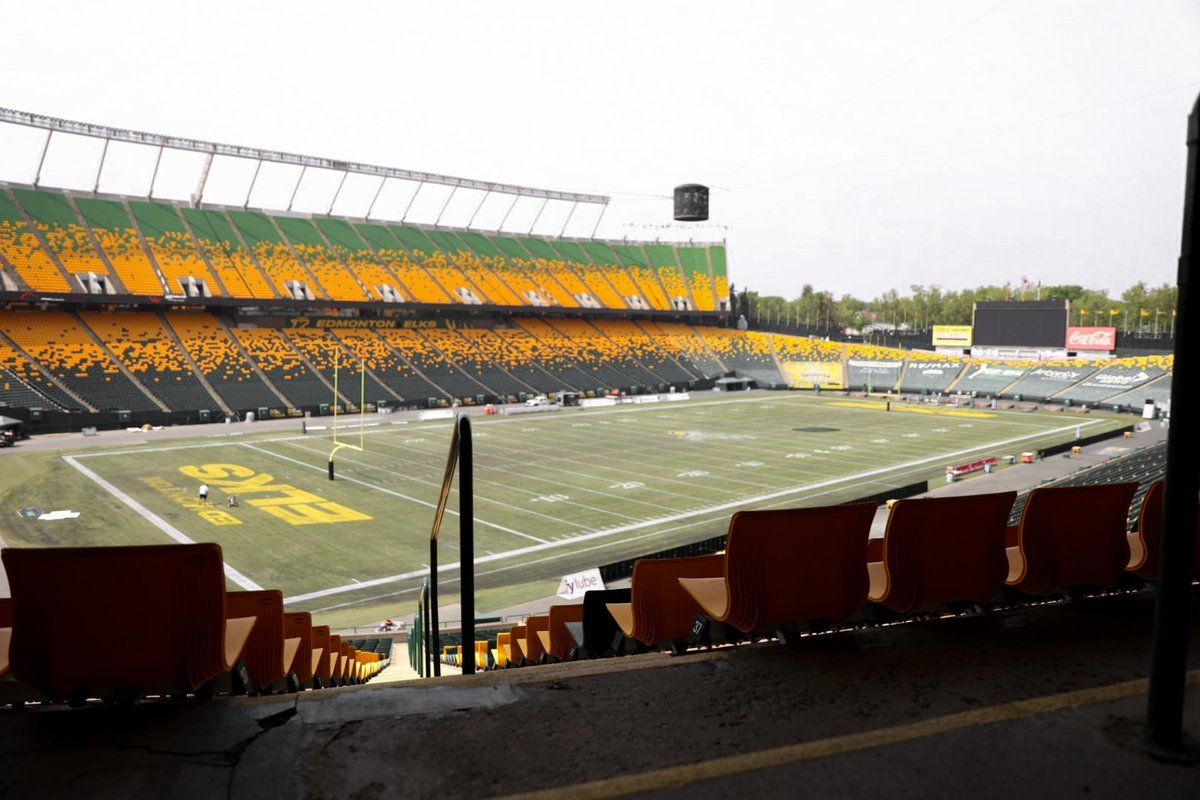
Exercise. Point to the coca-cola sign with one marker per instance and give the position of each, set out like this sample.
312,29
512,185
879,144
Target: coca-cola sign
1091,338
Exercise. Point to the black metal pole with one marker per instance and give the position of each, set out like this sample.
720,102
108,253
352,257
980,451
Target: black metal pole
1164,713
427,643
466,533
435,640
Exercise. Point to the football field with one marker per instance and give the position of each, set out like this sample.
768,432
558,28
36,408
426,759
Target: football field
556,492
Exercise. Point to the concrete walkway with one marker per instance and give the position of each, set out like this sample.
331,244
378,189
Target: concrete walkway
1041,702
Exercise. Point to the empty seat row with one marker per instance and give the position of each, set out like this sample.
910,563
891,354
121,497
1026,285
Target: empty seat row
813,569
122,623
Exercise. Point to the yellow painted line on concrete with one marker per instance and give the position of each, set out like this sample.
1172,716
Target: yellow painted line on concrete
684,774
945,412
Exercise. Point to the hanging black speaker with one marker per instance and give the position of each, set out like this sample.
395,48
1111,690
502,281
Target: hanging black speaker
691,202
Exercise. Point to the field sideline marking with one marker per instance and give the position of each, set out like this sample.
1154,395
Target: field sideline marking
727,506
386,490
435,425
439,424
157,521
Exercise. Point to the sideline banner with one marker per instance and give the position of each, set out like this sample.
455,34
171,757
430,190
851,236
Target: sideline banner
804,374
572,587
952,336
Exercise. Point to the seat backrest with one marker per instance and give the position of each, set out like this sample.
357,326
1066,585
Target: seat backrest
144,616
502,647
320,638
1074,535
298,624
516,641
662,609
944,549
797,564
531,644
599,627
560,638
335,649
263,654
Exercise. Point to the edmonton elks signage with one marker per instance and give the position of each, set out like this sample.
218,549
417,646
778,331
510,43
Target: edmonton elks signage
1091,338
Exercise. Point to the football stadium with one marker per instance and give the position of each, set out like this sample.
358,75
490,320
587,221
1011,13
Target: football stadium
323,477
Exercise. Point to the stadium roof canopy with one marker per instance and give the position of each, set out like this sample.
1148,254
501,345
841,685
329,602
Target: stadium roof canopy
324,181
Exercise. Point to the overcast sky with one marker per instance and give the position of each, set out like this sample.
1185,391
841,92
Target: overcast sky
855,146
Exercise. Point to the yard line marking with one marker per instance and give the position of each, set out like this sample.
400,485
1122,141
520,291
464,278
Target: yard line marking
157,521
479,497
559,482
551,557
675,517
386,490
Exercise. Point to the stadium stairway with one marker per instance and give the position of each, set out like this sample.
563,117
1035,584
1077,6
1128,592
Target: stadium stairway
236,378
398,343
58,227
457,352
120,364
195,368
28,265
41,382
316,350
288,368
28,250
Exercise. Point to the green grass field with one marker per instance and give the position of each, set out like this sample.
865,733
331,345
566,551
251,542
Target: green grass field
555,492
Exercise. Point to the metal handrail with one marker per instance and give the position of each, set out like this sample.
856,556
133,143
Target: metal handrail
460,458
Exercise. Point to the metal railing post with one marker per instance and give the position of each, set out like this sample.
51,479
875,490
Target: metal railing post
434,639
466,532
460,453
428,637
1168,662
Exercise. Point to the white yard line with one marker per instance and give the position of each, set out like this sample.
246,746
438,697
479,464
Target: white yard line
729,506
385,490
437,484
157,521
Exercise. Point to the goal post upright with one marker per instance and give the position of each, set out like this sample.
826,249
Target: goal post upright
362,396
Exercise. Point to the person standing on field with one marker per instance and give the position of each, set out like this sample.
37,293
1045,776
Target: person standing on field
204,493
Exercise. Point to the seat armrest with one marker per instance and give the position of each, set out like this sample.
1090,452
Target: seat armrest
1012,535
878,581
623,614
1016,564
5,640
711,594
875,549
290,648
316,660
576,631
237,632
